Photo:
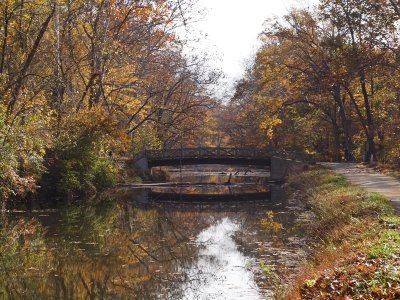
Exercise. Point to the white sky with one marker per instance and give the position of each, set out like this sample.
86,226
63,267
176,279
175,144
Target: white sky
232,28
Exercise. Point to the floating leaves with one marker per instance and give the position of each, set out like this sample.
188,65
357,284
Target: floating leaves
269,224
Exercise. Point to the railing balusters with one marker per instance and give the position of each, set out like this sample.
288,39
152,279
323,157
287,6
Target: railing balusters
218,152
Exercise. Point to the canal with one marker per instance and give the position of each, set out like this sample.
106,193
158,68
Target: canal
204,232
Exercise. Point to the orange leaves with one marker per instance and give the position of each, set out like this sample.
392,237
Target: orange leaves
269,224
95,123
24,227
361,279
361,268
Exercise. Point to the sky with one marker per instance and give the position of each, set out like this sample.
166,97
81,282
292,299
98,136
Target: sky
230,30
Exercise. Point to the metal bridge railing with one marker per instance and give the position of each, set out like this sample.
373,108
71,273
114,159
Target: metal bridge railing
203,153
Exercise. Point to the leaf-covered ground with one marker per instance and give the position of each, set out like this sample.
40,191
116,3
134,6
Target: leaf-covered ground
363,278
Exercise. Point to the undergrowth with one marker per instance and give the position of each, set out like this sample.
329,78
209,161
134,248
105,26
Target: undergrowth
389,169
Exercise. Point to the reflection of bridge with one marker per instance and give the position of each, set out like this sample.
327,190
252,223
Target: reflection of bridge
272,193
157,196
280,162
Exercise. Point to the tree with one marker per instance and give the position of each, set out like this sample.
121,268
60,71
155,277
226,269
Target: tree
331,65
119,64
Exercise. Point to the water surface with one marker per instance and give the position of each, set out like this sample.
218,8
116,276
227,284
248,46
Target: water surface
161,242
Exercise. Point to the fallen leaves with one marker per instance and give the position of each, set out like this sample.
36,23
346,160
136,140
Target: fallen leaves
363,279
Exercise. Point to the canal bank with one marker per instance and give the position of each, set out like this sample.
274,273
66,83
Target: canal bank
356,241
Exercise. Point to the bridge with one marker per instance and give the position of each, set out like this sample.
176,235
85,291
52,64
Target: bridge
280,162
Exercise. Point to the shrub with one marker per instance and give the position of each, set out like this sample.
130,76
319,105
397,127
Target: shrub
105,174
80,164
81,167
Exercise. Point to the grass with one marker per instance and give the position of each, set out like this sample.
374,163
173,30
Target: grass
356,239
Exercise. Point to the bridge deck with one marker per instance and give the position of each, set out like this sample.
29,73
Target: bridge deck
189,156
208,156
208,153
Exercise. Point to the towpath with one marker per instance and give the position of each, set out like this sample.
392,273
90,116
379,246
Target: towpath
370,180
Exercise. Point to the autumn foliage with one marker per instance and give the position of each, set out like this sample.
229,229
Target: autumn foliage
325,81
81,81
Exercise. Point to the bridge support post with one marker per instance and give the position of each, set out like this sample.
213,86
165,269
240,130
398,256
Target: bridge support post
142,165
281,167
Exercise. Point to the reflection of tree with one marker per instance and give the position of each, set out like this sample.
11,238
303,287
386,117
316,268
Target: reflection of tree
89,222
104,251
168,252
119,251
102,268
23,258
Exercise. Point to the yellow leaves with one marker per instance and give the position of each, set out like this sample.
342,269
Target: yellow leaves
95,122
269,224
311,152
269,123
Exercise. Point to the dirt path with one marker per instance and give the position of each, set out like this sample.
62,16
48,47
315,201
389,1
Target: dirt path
370,180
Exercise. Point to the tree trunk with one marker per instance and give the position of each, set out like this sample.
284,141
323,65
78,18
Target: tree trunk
371,151
346,124
4,45
336,136
19,81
